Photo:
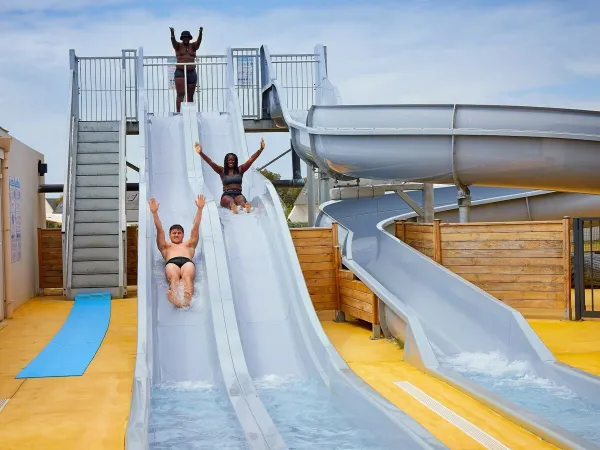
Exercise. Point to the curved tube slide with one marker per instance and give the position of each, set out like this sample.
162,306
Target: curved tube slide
446,322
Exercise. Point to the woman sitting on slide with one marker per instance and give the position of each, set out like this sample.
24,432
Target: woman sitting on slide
231,176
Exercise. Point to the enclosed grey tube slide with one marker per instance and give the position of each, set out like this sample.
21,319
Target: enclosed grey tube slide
440,316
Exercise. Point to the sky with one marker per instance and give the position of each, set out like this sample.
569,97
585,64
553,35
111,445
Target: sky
542,53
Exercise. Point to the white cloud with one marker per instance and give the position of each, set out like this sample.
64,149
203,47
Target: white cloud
418,52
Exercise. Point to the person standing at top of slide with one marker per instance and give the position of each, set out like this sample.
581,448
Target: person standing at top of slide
185,52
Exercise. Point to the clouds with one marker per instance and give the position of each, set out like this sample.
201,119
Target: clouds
421,51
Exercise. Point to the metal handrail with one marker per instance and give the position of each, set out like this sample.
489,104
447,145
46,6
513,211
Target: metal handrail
122,181
68,194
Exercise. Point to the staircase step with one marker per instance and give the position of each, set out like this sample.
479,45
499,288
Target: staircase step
111,215
96,254
95,280
97,136
97,169
96,204
89,229
98,126
97,180
97,192
97,158
95,267
97,147
97,241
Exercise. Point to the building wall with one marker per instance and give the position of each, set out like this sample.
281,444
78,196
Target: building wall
23,277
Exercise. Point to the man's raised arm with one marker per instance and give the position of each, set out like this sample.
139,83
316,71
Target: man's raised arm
173,40
199,41
160,233
195,234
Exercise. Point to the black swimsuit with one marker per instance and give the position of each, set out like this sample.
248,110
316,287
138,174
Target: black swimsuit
179,261
236,178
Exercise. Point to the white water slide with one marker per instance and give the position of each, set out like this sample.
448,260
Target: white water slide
452,329
248,364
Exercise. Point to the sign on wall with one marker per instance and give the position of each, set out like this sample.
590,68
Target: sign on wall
172,60
14,184
245,70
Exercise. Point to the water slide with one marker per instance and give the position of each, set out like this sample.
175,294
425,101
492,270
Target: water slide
247,365
546,162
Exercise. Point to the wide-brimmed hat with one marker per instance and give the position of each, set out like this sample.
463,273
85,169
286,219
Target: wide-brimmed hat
186,34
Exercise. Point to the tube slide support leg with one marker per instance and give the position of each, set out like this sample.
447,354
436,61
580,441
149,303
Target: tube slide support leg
428,202
310,194
464,204
324,194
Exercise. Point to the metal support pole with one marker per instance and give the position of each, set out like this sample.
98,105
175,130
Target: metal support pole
296,172
324,194
428,202
310,194
464,204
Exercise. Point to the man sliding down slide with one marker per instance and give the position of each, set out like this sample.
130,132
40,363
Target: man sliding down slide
178,253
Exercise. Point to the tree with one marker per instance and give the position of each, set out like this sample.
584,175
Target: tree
288,195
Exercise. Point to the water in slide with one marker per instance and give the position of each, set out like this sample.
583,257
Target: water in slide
452,329
187,402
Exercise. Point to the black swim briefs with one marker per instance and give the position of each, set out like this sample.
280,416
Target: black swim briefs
192,76
233,193
179,261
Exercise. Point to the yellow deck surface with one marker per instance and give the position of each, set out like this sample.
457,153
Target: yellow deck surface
573,343
87,412
379,363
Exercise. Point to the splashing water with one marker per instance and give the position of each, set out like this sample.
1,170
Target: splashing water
198,298
518,382
306,417
193,415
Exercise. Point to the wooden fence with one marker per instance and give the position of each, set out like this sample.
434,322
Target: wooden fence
331,288
318,254
356,299
524,264
50,257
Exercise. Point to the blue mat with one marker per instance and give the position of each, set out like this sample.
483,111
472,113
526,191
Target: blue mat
74,346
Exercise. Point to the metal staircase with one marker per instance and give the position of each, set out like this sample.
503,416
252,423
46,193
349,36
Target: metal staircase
94,223
96,249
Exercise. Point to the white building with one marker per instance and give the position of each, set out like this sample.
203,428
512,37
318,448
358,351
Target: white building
24,208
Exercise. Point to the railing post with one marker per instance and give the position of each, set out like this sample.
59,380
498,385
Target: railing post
321,72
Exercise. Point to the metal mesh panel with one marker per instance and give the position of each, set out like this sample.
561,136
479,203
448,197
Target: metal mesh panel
296,74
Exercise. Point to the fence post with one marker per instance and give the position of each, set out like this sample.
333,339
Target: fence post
401,230
578,275
437,242
39,264
337,263
567,267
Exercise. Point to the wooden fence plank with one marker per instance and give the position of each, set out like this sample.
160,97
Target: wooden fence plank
524,263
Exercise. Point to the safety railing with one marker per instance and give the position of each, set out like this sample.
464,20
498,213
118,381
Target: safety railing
296,76
125,96
68,199
100,80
